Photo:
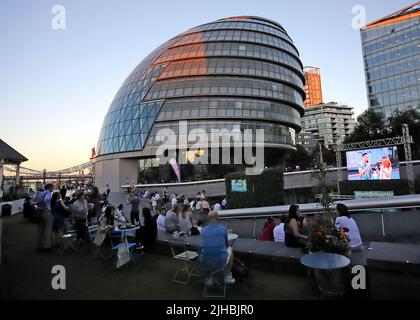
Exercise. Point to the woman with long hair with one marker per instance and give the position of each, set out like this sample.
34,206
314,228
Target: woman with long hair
291,228
106,224
347,224
147,233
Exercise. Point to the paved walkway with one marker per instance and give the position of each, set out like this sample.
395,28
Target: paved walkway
26,274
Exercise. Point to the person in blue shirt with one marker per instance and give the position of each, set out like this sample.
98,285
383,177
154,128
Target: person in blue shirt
216,235
45,218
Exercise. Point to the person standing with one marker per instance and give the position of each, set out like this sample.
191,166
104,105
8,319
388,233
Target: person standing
45,219
108,190
135,211
80,210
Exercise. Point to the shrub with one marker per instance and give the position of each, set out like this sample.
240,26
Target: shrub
263,190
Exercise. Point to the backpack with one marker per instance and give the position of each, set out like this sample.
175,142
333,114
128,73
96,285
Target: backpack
239,269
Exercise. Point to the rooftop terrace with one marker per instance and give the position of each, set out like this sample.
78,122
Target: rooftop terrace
26,274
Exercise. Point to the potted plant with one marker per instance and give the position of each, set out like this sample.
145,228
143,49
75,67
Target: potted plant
324,236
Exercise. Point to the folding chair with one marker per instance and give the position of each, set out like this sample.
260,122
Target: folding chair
97,250
68,238
179,252
213,264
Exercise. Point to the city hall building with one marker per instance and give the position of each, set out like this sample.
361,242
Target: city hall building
235,73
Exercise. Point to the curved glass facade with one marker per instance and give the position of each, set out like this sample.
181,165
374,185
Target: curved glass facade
233,73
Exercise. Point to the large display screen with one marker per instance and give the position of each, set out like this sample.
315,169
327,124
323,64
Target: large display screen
373,164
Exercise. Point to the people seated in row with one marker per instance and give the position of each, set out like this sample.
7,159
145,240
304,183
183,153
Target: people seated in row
216,235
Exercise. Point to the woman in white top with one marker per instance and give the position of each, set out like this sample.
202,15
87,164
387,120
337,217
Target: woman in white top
119,216
160,221
347,224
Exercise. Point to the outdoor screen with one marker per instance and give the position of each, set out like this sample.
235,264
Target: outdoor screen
373,164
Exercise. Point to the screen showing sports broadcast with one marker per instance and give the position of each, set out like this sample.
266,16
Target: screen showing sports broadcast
373,164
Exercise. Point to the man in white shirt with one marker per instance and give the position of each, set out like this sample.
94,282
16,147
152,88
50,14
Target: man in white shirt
160,221
278,231
174,200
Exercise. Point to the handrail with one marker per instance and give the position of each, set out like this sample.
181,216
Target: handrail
395,202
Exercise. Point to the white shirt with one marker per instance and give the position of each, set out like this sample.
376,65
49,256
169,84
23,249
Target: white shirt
174,201
278,233
217,207
119,217
161,222
224,202
353,234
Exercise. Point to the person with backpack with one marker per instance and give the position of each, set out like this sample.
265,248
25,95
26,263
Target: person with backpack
45,219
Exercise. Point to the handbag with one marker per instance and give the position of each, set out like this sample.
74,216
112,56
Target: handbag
123,255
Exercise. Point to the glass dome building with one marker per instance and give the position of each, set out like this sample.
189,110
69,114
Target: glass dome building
234,73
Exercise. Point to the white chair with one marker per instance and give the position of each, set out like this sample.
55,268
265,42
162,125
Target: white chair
179,252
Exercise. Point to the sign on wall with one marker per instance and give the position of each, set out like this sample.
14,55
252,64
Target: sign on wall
239,185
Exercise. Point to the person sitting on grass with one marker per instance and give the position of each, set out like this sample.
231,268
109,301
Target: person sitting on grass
216,235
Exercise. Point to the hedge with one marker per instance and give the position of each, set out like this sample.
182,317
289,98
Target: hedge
263,190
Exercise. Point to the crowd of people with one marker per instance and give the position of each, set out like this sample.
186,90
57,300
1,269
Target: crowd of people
56,210
60,208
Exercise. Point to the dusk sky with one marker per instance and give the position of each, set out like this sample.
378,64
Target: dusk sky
56,85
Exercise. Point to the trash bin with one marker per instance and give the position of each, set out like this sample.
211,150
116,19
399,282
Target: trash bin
6,210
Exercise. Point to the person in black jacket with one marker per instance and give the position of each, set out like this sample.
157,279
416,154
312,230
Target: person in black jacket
147,233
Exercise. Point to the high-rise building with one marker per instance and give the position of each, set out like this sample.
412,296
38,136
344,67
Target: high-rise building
235,74
391,53
313,88
326,123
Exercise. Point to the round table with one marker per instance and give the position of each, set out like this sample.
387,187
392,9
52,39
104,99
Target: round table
325,261
124,232
329,271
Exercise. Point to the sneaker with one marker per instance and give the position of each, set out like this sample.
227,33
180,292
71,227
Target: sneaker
209,281
229,279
